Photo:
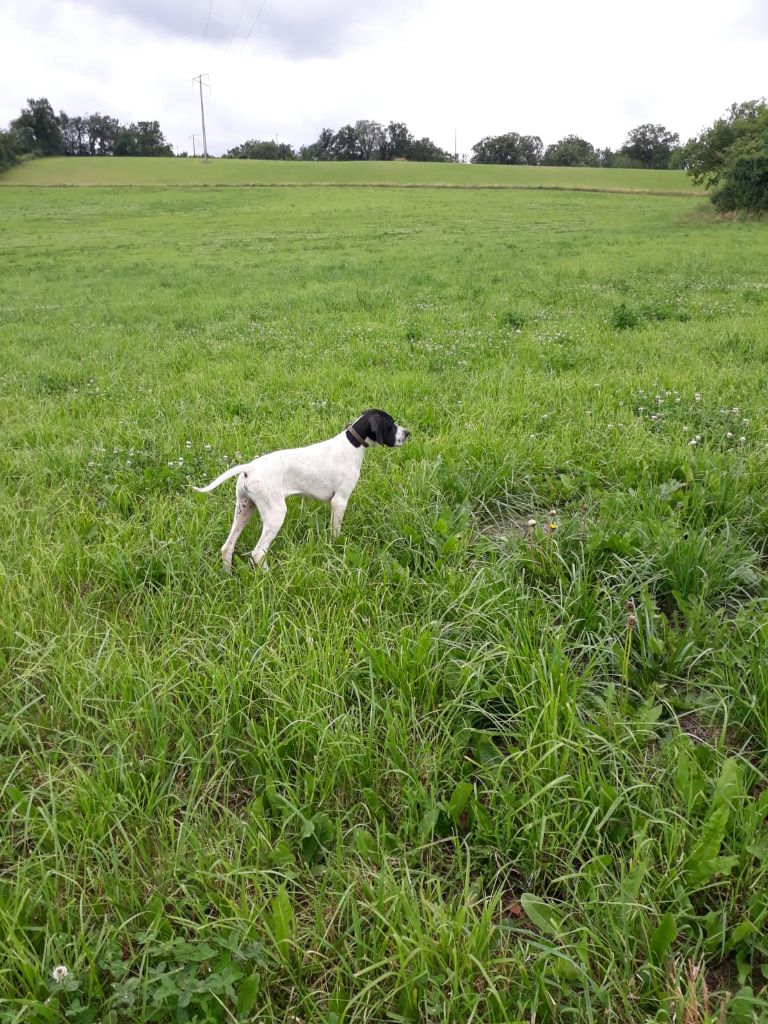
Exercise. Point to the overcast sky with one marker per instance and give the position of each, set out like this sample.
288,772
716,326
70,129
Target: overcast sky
288,68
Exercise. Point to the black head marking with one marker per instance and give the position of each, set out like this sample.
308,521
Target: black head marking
375,426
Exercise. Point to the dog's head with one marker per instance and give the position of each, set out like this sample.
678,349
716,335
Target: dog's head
377,427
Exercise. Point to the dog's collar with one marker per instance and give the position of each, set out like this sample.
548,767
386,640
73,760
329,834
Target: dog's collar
354,438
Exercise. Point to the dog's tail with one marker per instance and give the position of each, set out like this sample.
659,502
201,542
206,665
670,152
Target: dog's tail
233,471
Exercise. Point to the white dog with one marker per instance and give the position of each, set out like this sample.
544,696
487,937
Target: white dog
327,471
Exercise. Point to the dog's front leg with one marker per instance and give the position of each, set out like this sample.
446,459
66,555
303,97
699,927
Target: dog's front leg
338,508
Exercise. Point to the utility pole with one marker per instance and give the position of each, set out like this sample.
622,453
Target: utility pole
193,136
199,79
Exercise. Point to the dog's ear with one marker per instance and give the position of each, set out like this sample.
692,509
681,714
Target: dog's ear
382,429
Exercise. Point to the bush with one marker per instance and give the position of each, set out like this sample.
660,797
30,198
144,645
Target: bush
744,184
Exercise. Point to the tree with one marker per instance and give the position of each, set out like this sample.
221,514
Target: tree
508,149
37,129
731,156
9,152
398,141
707,156
102,132
325,143
322,149
605,157
346,144
427,151
141,139
258,150
367,140
651,145
571,151
74,135
371,138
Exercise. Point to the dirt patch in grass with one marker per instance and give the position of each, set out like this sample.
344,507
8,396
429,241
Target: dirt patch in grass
501,528
692,726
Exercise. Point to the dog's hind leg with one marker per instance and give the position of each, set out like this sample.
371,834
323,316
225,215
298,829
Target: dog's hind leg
244,509
272,517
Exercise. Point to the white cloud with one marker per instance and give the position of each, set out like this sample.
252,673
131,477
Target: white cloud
595,69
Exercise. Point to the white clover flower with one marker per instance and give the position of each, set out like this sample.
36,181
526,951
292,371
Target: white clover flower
531,522
692,442
729,434
742,440
697,397
188,444
207,447
128,462
59,973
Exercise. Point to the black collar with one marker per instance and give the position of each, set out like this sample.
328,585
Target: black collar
354,438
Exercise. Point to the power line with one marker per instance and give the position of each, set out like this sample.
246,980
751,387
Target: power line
237,26
207,23
253,26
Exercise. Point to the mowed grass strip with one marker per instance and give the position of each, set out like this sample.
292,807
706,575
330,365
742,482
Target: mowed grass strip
132,171
499,753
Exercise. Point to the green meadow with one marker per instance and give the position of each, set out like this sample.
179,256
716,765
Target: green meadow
162,171
499,753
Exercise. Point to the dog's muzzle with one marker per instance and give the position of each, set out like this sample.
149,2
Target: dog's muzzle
401,436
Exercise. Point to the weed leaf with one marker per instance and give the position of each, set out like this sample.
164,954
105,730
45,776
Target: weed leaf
543,915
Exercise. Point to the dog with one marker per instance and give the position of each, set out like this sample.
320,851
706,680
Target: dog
327,470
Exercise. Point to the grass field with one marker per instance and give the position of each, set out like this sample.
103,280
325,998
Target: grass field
452,767
154,171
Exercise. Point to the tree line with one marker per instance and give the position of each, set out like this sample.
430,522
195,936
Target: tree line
730,157
39,131
363,140
650,146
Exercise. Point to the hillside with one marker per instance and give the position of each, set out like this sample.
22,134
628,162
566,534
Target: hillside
175,172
